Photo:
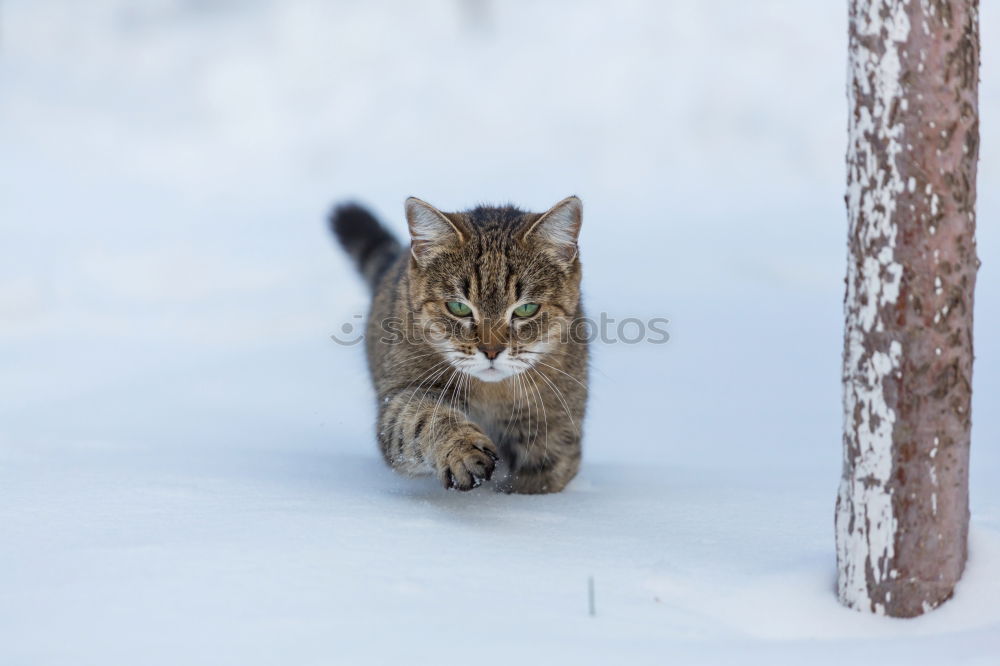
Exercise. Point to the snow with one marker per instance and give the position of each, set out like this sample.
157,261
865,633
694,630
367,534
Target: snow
187,465
298,555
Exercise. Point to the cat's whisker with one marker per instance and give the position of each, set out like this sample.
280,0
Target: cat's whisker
456,395
541,362
425,375
510,419
409,359
527,408
559,394
545,415
440,398
517,397
431,375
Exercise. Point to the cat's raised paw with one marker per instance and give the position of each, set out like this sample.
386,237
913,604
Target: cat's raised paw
467,462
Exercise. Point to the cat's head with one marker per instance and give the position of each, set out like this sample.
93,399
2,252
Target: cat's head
496,289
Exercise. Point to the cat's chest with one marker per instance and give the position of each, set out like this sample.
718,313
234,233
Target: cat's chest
493,405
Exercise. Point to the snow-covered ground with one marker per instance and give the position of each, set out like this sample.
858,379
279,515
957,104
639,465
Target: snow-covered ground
187,470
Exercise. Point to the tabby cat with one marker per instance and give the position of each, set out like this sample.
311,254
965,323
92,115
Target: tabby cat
475,343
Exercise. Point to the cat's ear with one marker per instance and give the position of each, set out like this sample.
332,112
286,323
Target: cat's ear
430,229
558,228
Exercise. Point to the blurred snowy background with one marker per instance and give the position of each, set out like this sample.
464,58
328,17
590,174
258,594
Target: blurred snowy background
187,459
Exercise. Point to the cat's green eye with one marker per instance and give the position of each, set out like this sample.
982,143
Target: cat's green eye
458,308
526,310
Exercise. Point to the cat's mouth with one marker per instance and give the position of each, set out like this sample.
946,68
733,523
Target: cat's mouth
493,374
489,371
503,366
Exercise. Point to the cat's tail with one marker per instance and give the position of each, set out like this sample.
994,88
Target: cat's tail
368,243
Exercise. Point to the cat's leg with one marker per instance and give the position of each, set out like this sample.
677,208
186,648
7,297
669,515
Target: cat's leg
420,432
541,460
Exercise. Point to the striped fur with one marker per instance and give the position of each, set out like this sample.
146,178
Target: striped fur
439,411
366,241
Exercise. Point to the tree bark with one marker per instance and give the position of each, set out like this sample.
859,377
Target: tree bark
902,513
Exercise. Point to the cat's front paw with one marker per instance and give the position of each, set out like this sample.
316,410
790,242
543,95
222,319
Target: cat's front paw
466,458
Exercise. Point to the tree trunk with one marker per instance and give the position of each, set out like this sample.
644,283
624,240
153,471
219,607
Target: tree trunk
902,514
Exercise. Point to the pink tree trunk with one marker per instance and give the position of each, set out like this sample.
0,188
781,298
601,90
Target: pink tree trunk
902,514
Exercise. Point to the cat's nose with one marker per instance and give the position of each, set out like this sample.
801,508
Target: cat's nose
491,351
